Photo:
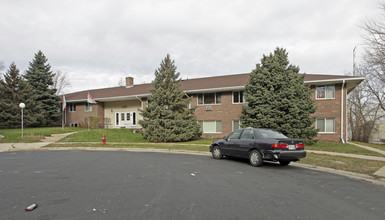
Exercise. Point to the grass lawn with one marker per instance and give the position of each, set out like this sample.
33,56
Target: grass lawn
169,146
118,135
32,134
368,167
378,146
112,135
341,148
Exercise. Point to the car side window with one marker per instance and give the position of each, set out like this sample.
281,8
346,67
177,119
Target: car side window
247,135
235,134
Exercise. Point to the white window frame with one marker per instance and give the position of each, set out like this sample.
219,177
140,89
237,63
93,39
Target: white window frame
90,107
326,132
203,98
325,87
239,97
216,127
240,123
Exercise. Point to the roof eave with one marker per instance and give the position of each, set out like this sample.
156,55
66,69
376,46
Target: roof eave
112,99
323,81
223,89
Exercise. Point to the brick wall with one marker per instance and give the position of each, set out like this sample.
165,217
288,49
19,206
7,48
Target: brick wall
80,114
331,108
225,112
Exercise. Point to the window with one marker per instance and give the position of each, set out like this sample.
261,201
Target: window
267,133
74,125
234,135
211,126
326,125
247,135
72,107
236,125
238,97
88,107
209,99
325,92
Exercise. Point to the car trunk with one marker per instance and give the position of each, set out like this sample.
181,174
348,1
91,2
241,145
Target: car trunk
288,144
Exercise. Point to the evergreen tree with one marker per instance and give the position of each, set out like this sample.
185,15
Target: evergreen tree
40,77
166,118
278,98
14,90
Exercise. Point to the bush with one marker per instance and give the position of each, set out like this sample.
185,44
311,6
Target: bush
94,122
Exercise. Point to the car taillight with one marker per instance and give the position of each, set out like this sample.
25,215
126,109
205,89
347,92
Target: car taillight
300,145
279,145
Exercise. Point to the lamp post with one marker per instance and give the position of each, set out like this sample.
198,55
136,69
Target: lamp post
22,106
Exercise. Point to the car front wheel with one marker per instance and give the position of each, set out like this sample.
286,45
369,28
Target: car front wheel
255,158
216,152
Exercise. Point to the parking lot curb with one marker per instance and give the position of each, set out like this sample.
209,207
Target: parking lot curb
372,179
202,153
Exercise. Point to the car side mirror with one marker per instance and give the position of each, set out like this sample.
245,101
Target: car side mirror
225,138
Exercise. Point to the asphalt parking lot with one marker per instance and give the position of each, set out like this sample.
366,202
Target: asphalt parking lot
146,185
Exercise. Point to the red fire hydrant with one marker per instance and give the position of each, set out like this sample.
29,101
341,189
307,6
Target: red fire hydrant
104,139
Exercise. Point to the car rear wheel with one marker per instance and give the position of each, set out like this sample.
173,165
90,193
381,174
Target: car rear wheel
255,158
216,152
284,162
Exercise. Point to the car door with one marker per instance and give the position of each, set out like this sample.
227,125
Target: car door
245,142
230,143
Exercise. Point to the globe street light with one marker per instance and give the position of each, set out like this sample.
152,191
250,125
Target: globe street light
22,106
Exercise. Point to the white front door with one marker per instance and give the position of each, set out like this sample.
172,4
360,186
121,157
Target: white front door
125,119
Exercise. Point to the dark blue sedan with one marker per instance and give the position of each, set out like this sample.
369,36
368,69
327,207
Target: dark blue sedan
259,144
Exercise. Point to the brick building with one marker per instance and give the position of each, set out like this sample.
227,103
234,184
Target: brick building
218,102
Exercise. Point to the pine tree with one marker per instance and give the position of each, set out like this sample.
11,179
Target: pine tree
14,90
166,118
40,77
278,98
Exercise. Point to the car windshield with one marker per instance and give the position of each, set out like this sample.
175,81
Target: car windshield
271,134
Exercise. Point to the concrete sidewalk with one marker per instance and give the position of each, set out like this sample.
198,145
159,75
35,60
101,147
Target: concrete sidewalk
33,146
369,148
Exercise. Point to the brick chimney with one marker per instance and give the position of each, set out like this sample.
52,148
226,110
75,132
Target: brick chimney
129,81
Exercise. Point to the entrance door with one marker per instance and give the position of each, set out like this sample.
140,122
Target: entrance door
125,119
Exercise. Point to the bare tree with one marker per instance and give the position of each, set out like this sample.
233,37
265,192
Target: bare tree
367,101
365,111
374,57
60,82
121,82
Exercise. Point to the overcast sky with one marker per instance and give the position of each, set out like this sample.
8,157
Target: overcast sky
98,43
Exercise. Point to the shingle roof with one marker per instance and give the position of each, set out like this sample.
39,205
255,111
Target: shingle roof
188,85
